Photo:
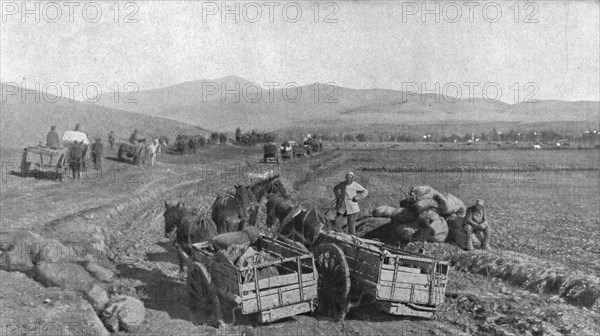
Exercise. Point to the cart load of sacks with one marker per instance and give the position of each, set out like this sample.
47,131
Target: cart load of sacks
239,249
424,215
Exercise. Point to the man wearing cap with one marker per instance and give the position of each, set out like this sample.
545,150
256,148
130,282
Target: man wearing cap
476,221
52,139
347,194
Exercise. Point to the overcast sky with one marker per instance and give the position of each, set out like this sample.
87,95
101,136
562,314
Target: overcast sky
377,44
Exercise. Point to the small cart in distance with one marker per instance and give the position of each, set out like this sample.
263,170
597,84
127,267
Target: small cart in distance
220,284
400,282
271,153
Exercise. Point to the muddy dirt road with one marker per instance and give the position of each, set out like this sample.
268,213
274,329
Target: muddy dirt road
116,218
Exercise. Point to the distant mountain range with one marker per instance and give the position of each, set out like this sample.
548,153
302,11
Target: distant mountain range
25,122
230,102
214,104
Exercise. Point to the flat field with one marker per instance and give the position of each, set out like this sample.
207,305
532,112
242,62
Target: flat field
540,203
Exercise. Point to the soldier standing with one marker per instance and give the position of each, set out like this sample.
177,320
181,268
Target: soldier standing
97,150
111,140
347,194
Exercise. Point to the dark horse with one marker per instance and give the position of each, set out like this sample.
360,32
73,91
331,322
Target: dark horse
295,222
233,212
267,187
189,227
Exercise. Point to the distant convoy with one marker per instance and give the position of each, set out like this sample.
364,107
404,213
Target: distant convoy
290,149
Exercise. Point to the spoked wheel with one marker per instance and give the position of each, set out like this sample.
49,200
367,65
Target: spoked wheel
201,294
334,281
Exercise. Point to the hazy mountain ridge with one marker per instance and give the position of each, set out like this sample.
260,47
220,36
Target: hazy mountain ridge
197,103
26,122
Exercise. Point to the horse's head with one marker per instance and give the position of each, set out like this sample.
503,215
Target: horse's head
173,214
268,187
278,188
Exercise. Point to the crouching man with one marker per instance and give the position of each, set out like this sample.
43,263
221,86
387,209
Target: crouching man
476,221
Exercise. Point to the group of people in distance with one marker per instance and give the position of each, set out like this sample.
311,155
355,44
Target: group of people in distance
78,143
349,192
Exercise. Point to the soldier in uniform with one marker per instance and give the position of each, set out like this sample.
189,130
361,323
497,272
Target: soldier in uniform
476,221
347,194
52,140
111,140
97,150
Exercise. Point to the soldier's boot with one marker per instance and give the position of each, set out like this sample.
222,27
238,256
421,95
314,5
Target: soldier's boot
486,240
469,244
469,237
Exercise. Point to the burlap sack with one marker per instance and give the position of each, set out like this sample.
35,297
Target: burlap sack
423,192
407,230
384,211
247,236
403,215
439,230
449,204
424,205
427,217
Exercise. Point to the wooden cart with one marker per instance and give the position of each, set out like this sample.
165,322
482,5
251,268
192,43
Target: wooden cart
271,153
133,152
50,160
221,284
400,282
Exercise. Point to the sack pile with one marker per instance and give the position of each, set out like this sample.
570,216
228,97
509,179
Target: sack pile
422,216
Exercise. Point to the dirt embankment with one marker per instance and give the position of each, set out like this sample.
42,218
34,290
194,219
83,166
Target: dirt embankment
122,223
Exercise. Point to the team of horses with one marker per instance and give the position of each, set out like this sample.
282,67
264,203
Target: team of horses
230,212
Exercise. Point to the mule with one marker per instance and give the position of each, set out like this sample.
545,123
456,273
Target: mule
188,227
233,212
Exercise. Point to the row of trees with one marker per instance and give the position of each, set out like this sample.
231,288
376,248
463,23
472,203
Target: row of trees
494,135
252,138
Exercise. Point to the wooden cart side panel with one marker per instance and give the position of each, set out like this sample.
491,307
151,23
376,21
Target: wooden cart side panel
278,281
283,312
361,269
413,261
404,292
404,277
279,299
282,250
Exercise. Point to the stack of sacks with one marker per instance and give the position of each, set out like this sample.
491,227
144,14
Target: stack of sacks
422,216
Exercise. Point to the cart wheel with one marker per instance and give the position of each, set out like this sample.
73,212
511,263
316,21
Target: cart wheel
200,290
334,281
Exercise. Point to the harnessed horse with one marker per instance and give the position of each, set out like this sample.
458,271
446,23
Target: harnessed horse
189,227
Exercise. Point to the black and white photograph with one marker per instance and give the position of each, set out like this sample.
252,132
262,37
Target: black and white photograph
300,167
